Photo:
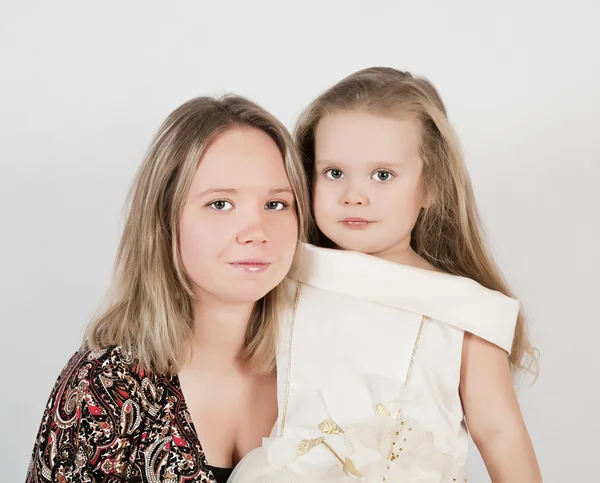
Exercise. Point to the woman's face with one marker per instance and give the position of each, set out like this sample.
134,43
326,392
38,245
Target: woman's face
238,229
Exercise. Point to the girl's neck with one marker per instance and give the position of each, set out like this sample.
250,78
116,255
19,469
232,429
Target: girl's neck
407,257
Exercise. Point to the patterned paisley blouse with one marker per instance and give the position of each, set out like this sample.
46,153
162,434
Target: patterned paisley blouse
108,420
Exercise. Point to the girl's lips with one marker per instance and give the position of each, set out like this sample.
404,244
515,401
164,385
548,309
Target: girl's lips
352,222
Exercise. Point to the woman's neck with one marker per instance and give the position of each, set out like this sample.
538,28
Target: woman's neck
220,327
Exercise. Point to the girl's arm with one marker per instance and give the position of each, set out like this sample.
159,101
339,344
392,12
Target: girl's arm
493,415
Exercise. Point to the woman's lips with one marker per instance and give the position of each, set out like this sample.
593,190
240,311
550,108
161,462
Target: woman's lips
252,266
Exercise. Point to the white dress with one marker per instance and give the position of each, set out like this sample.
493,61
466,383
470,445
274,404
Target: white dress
368,372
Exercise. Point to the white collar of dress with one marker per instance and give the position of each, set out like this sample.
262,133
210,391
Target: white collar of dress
458,301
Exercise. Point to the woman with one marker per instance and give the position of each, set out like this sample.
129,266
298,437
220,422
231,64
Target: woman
175,380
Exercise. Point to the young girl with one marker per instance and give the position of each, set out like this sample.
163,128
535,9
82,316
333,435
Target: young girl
403,335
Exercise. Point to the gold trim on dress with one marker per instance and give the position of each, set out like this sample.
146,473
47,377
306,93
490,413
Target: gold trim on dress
307,444
329,426
289,374
382,410
414,352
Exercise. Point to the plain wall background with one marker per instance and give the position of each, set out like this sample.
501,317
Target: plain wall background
84,86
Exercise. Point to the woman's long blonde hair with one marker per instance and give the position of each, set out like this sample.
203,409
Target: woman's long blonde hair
448,234
150,305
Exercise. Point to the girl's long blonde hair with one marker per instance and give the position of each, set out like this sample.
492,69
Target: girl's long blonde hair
448,234
150,304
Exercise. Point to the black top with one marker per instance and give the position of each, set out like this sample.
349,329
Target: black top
221,474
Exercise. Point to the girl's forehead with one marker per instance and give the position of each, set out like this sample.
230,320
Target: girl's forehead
364,137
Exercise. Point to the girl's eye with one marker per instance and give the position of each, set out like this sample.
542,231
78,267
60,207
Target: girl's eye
221,205
276,205
382,176
334,174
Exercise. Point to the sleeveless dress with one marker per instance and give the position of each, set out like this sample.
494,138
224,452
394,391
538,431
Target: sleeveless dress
369,366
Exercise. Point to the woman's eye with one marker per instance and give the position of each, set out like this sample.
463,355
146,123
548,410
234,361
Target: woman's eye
334,174
276,205
221,205
382,176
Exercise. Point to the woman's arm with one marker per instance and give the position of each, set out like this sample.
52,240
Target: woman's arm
89,424
493,415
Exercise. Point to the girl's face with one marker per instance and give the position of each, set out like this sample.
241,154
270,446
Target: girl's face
367,193
238,229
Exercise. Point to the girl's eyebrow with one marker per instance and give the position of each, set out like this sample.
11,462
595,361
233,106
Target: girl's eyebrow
373,164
